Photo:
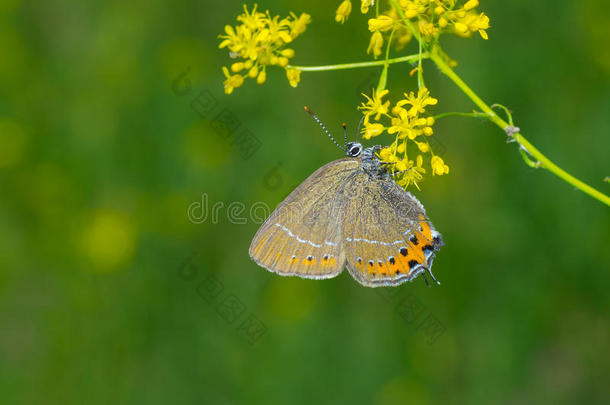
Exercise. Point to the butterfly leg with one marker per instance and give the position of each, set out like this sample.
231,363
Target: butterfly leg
433,278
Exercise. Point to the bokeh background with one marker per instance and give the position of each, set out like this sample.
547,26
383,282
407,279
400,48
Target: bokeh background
109,294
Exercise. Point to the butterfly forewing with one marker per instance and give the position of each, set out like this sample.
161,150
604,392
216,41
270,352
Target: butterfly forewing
303,235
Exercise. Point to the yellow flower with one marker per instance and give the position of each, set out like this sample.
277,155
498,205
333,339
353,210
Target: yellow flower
410,10
430,18
371,130
403,127
436,16
294,76
412,171
253,20
365,4
259,41
402,165
409,126
375,105
415,174
276,31
461,28
237,66
428,29
262,76
388,155
375,44
298,24
232,82
229,39
438,166
423,146
343,12
419,103
470,4
467,21
478,23
288,53
382,23
403,36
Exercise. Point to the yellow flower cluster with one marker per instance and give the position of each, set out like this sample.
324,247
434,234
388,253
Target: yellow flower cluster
430,18
406,120
260,41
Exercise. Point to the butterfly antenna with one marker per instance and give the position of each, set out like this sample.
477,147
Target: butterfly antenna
323,127
344,125
359,126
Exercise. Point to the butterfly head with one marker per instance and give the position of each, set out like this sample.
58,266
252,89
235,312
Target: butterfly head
353,149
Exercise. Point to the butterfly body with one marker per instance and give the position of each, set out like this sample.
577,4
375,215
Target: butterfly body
349,213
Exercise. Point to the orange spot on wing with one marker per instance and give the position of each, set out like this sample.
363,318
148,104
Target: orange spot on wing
403,261
307,262
372,269
426,231
383,268
394,268
415,253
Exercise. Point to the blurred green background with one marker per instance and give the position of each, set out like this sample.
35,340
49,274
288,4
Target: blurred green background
109,294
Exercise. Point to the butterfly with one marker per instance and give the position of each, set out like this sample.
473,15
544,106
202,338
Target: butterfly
349,213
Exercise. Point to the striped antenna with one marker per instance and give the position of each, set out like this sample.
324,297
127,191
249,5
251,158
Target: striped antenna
344,125
323,127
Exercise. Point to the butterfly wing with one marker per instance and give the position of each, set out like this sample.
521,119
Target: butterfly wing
387,238
302,236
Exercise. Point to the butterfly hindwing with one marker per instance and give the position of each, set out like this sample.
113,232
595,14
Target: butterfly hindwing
303,235
387,238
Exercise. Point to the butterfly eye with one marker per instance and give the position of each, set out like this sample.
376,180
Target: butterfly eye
354,150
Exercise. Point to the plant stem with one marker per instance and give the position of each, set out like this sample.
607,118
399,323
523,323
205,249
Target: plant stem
420,71
356,65
524,143
461,114
383,77
542,161
406,21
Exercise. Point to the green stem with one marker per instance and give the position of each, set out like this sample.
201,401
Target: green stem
356,65
524,143
420,71
383,77
406,21
461,114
